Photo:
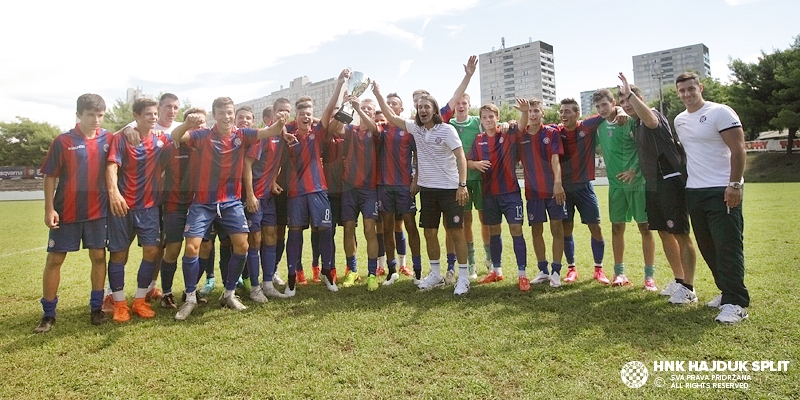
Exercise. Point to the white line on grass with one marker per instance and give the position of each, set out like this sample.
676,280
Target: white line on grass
23,251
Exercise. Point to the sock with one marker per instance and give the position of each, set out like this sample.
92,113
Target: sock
145,276
140,293
268,262
619,269
294,245
326,249
487,248
471,253
153,282
253,266
521,251
556,267
543,267
120,295
522,273
569,249
372,266
400,245
417,262
116,276
315,248
451,261
498,271
392,266
351,263
436,267
95,300
191,297
688,286
168,270
463,271
598,250
235,268
381,245
267,285
496,249
292,281
228,293
279,247
49,307
191,268
203,267
677,280
649,271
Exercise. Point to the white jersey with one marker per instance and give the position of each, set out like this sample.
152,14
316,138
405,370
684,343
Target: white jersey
436,162
159,127
708,158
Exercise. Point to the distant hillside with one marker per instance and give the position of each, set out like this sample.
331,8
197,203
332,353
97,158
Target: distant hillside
772,167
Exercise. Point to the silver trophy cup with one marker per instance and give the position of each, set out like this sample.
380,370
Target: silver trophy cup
357,84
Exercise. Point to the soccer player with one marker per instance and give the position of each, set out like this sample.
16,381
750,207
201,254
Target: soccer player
279,196
713,138
626,194
75,210
495,154
133,177
663,164
442,178
333,152
539,151
220,152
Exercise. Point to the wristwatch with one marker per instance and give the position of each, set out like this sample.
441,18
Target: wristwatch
462,184
735,185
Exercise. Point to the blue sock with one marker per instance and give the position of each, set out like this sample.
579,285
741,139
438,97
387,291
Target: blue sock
191,269
543,267
168,270
294,245
96,299
569,249
392,266
372,266
49,307
521,251
598,250
417,262
253,266
202,269
326,248
400,243
116,276
381,245
235,268
351,262
496,247
268,261
145,275
451,261
315,249
556,267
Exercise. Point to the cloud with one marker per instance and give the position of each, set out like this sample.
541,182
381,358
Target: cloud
453,30
404,66
734,3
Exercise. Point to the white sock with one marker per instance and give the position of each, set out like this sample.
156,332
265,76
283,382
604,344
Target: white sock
228,293
463,271
191,297
119,296
382,261
141,293
401,260
498,271
152,285
436,268
522,273
267,285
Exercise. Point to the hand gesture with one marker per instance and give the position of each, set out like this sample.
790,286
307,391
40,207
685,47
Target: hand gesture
471,65
193,121
522,105
482,165
627,176
625,88
353,100
344,75
622,117
132,135
51,219
376,90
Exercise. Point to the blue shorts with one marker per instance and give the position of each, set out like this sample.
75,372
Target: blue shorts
357,200
584,199
265,215
174,223
229,217
509,204
397,200
68,237
310,209
336,208
145,224
539,209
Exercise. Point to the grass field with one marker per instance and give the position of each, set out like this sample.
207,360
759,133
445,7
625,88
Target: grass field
494,342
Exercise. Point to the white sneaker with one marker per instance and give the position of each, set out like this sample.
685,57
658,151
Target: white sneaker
433,280
416,281
670,289
331,286
233,303
277,280
289,292
272,292
555,280
185,311
683,296
731,314
462,286
392,279
716,302
450,277
257,295
541,278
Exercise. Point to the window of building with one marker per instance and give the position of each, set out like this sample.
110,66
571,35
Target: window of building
507,76
510,69
507,63
508,57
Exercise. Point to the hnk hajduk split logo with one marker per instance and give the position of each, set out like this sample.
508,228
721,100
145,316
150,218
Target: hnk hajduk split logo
634,374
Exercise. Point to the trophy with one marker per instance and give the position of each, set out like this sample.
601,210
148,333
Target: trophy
357,84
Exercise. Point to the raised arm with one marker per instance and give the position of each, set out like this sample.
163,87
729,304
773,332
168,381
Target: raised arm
276,128
366,121
326,115
393,119
180,133
644,112
469,70
525,111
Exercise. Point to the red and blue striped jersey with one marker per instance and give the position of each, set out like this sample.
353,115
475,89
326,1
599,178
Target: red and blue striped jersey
361,161
395,156
220,163
268,154
79,164
501,151
447,113
305,161
577,164
139,172
535,152
176,163
333,164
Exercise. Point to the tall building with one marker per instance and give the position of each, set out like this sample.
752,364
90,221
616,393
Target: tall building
134,94
320,93
526,70
654,70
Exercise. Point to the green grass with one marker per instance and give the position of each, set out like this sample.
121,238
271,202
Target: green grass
493,343
772,167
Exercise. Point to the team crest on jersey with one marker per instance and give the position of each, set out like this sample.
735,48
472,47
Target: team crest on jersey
438,140
402,133
546,140
670,223
186,228
456,219
237,142
105,148
311,136
501,140
703,119
51,243
581,133
160,143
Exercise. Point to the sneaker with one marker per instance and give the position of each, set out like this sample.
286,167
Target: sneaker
276,279
392,279
541,278
462,286
380,271
257,295
406,271
650,285
670,289
450,277
416,282
350,279
572,275
600,276
168,301
492,277
555,280
240,283
142,308
372,283
433,280
185,311
121,311
98,317
716,302
45,325
272,292
289,292
524,284
620,280
200,299
472,274
731,314
301,278
208,287
234,303
315,275
330,285
153,294
108,304
683,296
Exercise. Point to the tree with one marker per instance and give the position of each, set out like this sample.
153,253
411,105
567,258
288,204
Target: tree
551,115
25,142
121,114
788,96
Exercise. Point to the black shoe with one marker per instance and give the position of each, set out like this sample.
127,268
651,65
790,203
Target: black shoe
200,299
45,325
99,317
168,301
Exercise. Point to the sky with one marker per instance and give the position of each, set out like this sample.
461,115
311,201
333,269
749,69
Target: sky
54,51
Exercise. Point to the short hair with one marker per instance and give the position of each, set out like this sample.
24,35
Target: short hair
570,101
245,109
303,99
536,102
165,97
140,104
266,112
220,102
466,96
396,96
687,76
421,91
194,110
491,108
601,94
379,112
304,105
370,101
279,101
635,90
437,118
90,101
